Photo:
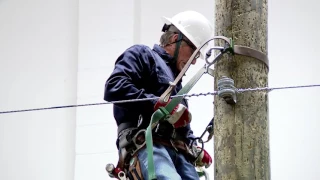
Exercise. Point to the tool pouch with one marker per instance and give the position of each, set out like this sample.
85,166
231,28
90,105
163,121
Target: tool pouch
134,171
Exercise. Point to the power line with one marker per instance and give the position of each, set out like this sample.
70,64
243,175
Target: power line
155,98
276,88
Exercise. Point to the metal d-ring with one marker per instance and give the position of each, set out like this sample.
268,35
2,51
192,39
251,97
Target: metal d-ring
138,145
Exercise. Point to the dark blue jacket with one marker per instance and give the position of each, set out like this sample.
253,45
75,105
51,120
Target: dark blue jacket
141,72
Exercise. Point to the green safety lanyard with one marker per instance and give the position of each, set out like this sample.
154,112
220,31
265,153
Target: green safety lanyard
163,112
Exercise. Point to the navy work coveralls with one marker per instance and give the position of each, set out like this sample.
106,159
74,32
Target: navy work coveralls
142,72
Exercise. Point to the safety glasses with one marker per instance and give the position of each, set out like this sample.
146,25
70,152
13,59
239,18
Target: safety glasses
193,47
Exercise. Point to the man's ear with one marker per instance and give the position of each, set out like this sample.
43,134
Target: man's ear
174,38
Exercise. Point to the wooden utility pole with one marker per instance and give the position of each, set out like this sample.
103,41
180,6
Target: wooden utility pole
241,136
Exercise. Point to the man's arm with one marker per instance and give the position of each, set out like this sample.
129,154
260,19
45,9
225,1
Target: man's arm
127,75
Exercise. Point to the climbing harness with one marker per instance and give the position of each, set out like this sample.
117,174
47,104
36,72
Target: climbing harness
226,90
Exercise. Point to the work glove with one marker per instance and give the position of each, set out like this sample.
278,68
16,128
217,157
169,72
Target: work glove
180,116
204,158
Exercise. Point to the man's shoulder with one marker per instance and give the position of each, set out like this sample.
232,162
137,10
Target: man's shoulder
143,51
140,53
139,48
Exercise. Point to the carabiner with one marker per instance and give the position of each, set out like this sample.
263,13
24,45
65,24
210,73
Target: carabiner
215,59
208,129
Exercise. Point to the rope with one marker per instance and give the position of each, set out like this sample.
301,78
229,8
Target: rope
155,98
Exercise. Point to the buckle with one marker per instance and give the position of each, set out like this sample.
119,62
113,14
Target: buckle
139,140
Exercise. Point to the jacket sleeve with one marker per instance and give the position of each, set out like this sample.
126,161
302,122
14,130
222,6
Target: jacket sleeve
123,83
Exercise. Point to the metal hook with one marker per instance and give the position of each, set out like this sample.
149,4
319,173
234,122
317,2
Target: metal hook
216,58
208,129
208,54
228,47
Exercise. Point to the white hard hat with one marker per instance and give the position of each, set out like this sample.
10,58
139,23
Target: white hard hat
193,25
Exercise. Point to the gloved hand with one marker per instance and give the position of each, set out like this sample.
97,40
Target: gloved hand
204,158
180,116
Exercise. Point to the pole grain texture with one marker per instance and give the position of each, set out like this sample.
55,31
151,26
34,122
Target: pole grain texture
241,138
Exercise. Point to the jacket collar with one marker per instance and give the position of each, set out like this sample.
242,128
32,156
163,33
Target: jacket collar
167,58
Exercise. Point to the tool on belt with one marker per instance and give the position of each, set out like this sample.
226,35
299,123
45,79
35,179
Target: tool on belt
131,140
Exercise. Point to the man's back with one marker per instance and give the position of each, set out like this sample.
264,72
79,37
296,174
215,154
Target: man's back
141,72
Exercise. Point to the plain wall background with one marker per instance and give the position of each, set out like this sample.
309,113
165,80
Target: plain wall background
38,67
61,52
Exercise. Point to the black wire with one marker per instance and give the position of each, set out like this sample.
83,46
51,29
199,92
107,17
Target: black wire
133,100
53,107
